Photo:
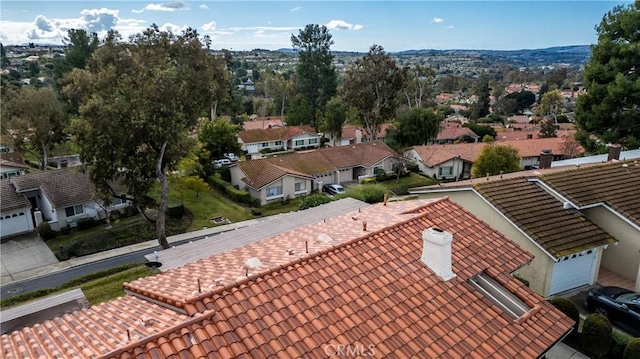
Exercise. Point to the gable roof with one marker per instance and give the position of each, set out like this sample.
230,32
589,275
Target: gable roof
454,132
12,159
262,123
559,231
616,184
63,187
260,172
349,131
354,286
274,134
9,198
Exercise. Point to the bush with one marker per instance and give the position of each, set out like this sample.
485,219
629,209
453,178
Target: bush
371,193
570,309
86,223
632,350
619,342
413,167
176,211
313,200
595,338
45,231
237,195
256,211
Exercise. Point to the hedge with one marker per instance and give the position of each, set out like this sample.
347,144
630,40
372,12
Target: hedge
595,338
632,350
235,194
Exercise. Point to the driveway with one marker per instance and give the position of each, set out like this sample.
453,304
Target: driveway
22,253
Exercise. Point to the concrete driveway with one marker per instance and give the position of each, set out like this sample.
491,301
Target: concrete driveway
22,253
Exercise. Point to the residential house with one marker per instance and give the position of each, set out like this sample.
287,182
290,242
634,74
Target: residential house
400,279
454,161
12,164
261,123
276,178
451,132
355,134
60,197
574,221
278,139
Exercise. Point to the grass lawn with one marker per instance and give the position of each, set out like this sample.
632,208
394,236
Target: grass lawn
67,239
292,205
413,180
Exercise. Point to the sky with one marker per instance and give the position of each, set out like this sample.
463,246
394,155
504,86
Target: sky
354,25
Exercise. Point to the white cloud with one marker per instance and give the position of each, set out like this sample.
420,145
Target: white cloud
137,11
342,25
99,20
204,7
296,8
42,23
437,20
176,29
210,26
168,6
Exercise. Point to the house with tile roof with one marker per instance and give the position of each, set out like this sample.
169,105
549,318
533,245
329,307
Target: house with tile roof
355,134
451,132
454,161
421,278
573,220
278,139
60,197
12,164
261,123
290,175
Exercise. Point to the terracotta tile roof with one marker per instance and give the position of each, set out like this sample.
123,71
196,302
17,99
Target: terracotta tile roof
454,132
262,123
363,288
274,134
64,187
355,287
617,185
308,164
12,159
9,199
559,231
349,131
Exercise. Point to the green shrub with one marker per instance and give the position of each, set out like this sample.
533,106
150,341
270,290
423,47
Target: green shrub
86,223
619,342
413,167
400,191
236,195
256,211
313,200
45,231
567,307
595,338
176,211
371,193
632,350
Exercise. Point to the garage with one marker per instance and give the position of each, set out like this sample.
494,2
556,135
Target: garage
573,271
15,223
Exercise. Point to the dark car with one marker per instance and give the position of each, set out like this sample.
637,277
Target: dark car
333,188
620,305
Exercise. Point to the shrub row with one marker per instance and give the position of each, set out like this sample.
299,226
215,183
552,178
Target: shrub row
236,195
313,200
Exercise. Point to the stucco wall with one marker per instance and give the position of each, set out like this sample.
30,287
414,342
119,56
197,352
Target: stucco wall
623,258
539,271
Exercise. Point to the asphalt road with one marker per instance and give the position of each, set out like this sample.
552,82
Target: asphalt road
58,278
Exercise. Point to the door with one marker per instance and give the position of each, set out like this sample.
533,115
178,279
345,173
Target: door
573,271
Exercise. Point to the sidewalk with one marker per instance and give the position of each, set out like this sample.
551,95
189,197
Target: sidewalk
16,275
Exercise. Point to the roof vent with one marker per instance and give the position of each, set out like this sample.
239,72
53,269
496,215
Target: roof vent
436,252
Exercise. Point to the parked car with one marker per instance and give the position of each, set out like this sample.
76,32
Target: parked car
231,157
333,188
531,167
621,306
221,162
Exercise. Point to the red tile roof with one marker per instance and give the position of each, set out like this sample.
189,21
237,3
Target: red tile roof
261,172
262,123
349,131
453,132
274,134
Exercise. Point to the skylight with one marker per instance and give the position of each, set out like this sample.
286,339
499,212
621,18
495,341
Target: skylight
499,295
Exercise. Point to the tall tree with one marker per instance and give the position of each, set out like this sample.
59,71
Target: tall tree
35,121
417,126
551,104
480,108
218,137
316,79
4,60
494,159
138,99
419,86
610,108
371,86
335,115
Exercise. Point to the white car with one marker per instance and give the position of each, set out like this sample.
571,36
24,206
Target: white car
231,156
221,162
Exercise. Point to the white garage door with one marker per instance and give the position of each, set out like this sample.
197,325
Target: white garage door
14,224
573,272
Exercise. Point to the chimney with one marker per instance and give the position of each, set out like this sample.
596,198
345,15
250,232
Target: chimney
529,136
614,152
546,157
436,252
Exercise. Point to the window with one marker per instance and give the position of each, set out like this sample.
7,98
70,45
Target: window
74,210
301,186
446,170
278,143
299,142
265,144
499,295
274,191
313,141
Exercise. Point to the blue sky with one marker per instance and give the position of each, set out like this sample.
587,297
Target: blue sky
354,25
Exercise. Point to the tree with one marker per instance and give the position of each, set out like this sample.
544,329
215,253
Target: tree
548,129
551,104
218,137
4,60
417,126
370,86
610,107
334,118
419,85
481,107
316,79
524,99
137,101
495,159
36,121
481,130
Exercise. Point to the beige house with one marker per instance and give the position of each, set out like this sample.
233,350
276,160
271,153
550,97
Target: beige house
278,139
279,177
572,223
